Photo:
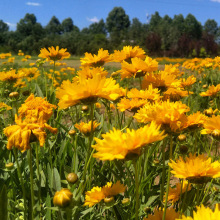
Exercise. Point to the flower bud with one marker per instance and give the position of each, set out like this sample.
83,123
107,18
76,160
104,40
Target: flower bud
13,94
62,198
72,178
9,166
85,108
147,210
109,201
204,86
208,112
182,137
125,201
72,132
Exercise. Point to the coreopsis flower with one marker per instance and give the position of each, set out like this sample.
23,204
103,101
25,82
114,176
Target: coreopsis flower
212,91
175,94
127,53
131,104
88,72
204,213
96,60
27,56
176,191
21,134
119,145
4,106
54,53
186,83
31,73
162,80
23,60
87,91
172,69
138,67
170,115
195,169
10,76
35,108
171,214
212,126
62,198
195,120
20,53
20,84
97,194
85,128
150,94
11,59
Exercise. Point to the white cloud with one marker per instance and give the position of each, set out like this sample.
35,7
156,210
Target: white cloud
33,4
93,20
215,1
10,24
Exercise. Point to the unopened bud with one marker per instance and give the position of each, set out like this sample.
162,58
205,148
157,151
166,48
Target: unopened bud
13,94
72,178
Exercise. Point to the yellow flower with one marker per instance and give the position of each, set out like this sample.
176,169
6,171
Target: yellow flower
36,108
10,76
30,73
171,214
62,198
188,82
212,91
88,72
131,105
21,134
212,126
54,53
118,145
20,84
175,94
127,53
162,80
170,115
195,120
204,213
138,67
195,169
150,94
85,128
175,193
4,106
11,59
97,194
96,60
87,91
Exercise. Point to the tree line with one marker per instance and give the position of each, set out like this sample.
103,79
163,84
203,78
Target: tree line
161,36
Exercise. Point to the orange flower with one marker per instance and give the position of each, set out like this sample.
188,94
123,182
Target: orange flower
212,91
54,53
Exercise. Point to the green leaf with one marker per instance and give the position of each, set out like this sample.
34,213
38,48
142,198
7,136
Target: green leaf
56,180
38,91
4,203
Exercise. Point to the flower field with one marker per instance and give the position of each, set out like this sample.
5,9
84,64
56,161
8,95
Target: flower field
135,140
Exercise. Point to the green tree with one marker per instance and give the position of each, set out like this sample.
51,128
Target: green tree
211,27
193,28
67,25
98,28
54,27
117,24
137,32
3,26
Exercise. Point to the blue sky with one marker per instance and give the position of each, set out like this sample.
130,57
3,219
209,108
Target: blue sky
85,12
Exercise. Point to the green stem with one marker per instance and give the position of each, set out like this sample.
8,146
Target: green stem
163,173
32,183
38,176
168,178
22,183
136,190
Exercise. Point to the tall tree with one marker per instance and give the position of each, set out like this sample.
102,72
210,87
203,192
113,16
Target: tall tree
211,27
193,28
3,26
98,28
67,25
117,24
54,26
